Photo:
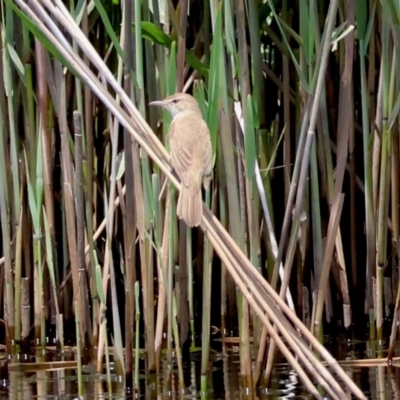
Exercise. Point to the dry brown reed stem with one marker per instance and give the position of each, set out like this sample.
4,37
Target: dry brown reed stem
42,366
67,177
372,362
268,307
26,309
258,301
376,153
162,266
129,218
48,162
214,230
248,270
393,333
226,258
85,328
345,127
247,213
18,277
359,182
316,320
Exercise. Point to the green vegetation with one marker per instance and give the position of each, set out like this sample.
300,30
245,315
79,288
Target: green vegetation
302,105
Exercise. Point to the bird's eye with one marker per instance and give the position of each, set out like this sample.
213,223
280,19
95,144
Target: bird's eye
174,101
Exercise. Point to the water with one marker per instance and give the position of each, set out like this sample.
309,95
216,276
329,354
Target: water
224,381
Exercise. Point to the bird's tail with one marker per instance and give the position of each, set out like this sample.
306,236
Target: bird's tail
190,206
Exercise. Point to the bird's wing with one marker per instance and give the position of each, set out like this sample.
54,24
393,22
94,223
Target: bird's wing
190,148
207,154
181,156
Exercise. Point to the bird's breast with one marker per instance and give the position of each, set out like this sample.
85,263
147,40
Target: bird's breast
188,125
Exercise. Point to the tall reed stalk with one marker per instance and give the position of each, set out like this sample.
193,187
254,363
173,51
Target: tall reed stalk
302,109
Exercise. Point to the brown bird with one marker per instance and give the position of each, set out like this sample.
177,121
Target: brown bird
191,153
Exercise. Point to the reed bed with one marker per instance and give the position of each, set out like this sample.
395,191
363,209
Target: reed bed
300,227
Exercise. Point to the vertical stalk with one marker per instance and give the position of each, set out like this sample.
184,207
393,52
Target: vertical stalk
384,176
206,313
80,232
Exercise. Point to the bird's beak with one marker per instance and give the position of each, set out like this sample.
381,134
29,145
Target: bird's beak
157,103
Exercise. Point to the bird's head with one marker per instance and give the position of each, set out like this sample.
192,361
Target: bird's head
178,103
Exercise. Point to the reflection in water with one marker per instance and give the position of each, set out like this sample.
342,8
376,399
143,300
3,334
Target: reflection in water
380,383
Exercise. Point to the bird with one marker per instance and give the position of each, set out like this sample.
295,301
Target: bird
191,153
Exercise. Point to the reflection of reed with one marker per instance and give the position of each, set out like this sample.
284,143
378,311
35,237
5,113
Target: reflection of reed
193,380
15,384
168,384
291,383
380,382
285,384
59,376
231,376
41,384
372,378
351,376
27,391
394,374
99,390
174,386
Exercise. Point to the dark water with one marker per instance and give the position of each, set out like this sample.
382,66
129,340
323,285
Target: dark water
224,381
